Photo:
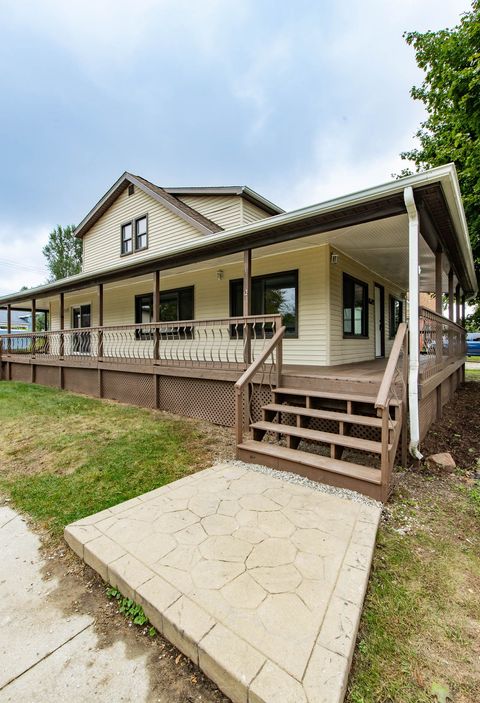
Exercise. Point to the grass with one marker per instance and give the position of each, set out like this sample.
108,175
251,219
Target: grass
472,374
65,456
420,627
475,359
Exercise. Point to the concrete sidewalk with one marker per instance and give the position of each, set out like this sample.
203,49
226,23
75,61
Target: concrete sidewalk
46,656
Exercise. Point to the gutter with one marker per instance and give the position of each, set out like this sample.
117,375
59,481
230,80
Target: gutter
414,353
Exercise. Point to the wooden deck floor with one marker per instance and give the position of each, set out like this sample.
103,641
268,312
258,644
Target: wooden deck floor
359,371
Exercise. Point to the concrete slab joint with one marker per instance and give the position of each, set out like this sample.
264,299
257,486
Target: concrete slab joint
260,581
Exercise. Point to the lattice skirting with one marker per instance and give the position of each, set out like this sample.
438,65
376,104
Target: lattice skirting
134,388
47,375
197,397
81,381
21,372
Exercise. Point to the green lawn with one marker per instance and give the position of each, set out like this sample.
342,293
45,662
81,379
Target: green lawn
420,625
64,456
475,359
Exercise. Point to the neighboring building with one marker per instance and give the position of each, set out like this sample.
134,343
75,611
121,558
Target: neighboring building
20,320
172,276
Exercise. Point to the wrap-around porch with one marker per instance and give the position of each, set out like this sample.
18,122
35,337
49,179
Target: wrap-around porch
296,335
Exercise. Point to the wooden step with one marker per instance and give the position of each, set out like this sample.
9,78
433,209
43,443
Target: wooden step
330,395
313,461
327,415
365,445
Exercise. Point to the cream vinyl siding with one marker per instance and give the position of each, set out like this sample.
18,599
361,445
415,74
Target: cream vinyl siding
224,210
252,213
166,231
228,211
320,302
345,351
211,298
87,297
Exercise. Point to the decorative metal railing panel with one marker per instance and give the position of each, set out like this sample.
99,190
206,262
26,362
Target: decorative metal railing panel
441,342
232,342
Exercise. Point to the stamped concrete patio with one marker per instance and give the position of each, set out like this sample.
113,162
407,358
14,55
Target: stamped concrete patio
258,580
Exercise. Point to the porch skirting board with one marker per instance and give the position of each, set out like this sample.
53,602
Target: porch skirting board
211,399
436,392
192,393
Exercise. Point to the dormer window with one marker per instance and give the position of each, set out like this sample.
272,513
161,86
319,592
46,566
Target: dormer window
141,233
127,240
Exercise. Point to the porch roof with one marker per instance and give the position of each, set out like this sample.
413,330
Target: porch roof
438,199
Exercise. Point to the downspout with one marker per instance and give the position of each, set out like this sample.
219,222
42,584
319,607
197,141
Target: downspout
413,278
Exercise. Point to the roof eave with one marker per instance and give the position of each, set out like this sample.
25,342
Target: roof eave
446,175
118,187
248,193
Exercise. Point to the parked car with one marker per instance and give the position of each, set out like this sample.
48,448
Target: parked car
473,343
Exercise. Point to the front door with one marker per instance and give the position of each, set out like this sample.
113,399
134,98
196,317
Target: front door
379,321
81,317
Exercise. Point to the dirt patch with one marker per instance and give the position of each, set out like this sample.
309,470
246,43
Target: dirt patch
420,626
458,430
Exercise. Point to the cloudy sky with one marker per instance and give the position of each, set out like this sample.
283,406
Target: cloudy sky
301,101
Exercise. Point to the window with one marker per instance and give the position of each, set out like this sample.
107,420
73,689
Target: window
274,294
131,189
127,244
141,233
396,315
143,308
177,304
134,236
355,307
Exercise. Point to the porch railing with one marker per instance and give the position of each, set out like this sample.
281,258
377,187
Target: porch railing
227,343
441,342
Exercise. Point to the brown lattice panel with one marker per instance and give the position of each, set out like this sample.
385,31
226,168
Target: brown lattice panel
195,397
47,375
21,372
134,388
260,396
81,381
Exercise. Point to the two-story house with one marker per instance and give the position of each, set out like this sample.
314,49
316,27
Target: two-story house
290,326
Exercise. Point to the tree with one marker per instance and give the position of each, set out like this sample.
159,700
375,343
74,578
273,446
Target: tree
450,92
63,252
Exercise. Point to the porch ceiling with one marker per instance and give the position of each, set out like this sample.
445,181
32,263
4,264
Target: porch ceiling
382,247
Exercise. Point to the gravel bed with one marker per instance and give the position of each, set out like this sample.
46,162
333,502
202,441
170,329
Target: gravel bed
314,485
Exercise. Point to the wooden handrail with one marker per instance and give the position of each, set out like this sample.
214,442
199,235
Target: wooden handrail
383,395
252,369
275,343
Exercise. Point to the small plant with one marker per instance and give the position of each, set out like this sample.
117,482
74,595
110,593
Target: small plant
131,610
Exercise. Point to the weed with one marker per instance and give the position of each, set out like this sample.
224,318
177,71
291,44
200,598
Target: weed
131,610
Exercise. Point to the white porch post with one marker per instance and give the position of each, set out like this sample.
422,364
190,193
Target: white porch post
413,286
